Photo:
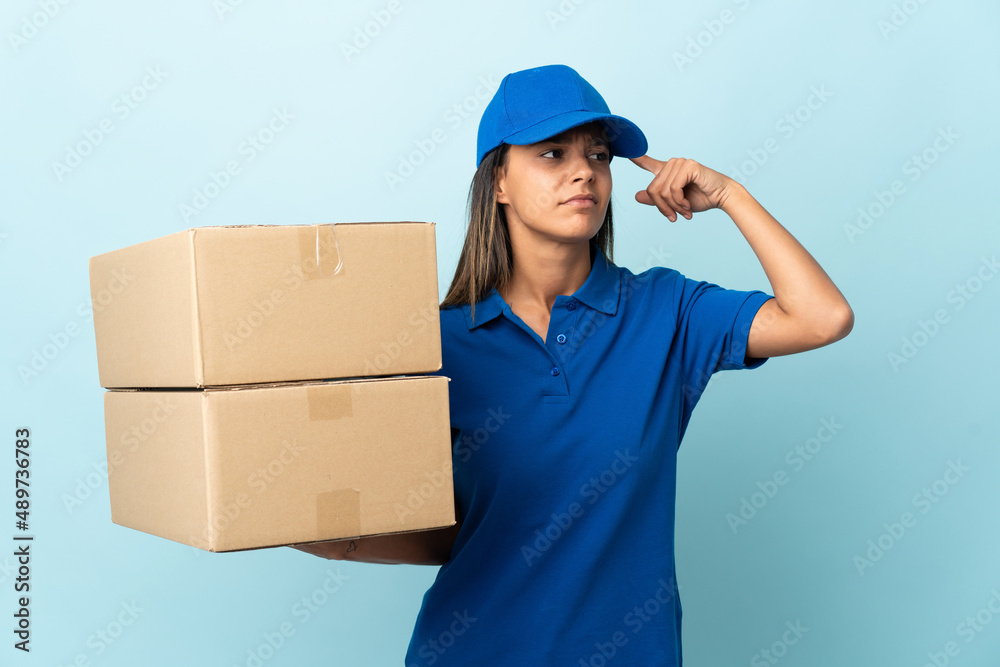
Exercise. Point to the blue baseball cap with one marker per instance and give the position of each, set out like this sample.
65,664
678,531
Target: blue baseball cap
538,103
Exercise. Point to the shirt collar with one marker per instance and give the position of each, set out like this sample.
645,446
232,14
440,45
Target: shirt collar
600,292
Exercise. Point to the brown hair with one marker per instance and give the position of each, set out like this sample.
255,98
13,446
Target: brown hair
487,258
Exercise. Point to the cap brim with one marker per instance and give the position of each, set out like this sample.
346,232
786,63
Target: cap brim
627,140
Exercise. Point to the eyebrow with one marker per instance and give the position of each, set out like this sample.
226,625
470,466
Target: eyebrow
563,139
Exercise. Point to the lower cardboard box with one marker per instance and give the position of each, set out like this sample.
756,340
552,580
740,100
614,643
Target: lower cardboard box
254,466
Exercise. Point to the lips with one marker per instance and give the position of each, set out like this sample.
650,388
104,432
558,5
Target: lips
581,200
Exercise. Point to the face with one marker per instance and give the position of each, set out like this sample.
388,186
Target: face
539,180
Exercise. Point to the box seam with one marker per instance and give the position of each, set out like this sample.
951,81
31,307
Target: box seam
199,360
209,486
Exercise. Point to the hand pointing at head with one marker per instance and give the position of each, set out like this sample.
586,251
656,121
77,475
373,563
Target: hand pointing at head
682,186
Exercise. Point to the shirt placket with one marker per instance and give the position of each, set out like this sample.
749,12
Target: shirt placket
565,312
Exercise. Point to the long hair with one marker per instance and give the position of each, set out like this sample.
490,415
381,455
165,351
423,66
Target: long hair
487,259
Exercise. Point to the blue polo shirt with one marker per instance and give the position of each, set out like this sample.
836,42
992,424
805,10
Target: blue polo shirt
565,463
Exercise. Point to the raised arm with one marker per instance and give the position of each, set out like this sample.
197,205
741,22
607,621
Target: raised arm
807,311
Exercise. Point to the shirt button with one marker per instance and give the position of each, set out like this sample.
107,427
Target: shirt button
561,339
571,305
554,371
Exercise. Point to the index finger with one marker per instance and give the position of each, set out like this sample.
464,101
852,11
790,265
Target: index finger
649,164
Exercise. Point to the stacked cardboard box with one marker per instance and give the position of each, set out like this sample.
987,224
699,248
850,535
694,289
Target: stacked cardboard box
267,384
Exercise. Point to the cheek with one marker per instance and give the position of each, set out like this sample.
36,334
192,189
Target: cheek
536,194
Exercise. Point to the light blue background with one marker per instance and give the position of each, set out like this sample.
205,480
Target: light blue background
354,117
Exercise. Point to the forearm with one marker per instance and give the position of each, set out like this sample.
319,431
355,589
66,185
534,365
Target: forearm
426,547
801,287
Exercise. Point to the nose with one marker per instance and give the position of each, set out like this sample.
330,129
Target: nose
581,166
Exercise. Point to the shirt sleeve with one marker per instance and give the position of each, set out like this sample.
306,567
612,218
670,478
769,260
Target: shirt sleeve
712,328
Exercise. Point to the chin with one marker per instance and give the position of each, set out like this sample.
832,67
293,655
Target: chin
571,236
572,229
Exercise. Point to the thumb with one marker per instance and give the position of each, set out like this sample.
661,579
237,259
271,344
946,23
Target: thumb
643,198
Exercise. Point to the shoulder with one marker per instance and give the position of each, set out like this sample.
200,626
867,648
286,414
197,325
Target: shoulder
658,281
455,330
452,318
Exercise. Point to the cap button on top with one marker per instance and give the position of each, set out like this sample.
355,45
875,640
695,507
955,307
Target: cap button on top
571,305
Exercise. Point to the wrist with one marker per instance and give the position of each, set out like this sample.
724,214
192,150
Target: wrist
733,195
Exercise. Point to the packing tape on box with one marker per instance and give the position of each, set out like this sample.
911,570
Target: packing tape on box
329,401
315,245
338,513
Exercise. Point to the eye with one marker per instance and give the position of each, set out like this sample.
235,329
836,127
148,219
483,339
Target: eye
602,155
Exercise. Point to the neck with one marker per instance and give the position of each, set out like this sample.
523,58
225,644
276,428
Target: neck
544,270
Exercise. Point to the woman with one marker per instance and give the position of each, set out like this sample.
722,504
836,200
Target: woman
573,381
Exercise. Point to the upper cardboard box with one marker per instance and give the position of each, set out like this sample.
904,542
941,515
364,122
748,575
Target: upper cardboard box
268,303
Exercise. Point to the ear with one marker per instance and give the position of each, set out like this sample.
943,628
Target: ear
499,183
